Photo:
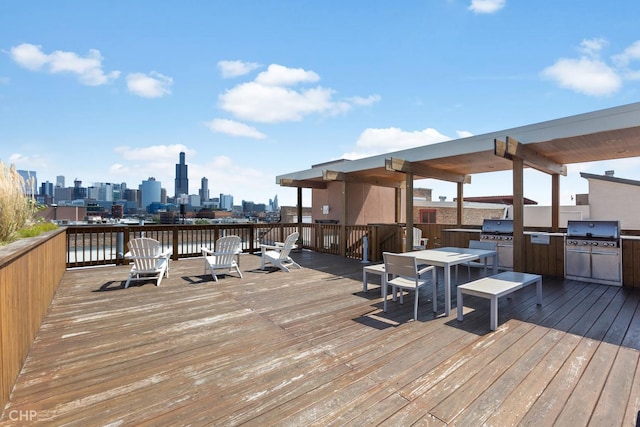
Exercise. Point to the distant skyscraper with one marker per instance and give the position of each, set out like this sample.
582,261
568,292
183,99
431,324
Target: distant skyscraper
182,180
204,190
150,191
30,182
226,202
60,181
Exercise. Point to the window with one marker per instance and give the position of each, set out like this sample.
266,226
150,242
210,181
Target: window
428,216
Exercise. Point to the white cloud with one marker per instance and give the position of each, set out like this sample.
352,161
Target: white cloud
590,74
231,69
486,6
161,153
278,75
88,68
631,53
584,75
463,133
152,85
270,98
592,47
378,141
233,128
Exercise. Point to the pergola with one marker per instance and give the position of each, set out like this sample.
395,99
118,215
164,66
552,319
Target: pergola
549,146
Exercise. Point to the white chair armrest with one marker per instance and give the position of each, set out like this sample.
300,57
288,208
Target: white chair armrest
206,251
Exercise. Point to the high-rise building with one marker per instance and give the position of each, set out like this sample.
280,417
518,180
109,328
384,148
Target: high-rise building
60,181
182,180
226,202
78,191
30,182
204,190
150,191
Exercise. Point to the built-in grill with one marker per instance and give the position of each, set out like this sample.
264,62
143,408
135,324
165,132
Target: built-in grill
593,252
500,232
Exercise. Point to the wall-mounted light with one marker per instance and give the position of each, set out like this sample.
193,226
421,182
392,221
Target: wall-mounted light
325,209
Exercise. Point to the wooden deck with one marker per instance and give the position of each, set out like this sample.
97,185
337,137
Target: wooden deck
309,348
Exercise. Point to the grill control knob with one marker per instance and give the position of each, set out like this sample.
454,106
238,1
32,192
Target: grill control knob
594,243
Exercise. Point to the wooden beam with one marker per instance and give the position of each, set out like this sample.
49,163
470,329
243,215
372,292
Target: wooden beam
533,159
398,165
329,175
287,182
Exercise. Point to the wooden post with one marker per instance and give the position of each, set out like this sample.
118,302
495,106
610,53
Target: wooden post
343,226
518,215
555,202
460,205
409,213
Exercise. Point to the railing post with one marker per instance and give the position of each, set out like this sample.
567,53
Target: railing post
175,233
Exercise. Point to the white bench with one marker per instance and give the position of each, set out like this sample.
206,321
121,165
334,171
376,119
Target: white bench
498,285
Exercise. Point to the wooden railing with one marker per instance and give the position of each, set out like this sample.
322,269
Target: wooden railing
107,244
30,272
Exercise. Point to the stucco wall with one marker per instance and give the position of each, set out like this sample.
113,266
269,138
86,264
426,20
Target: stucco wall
615,201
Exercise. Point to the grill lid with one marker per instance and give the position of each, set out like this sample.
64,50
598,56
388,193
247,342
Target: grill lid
497,226
593,229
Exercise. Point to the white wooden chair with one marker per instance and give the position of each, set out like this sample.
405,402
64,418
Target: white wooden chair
278,254
406,275
223,256
419,242
482,262
149,260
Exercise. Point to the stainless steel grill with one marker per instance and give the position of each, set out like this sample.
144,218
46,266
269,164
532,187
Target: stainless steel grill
500,232
593,252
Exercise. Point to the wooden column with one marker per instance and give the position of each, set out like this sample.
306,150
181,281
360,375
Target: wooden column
460,212
518,215
299,212
343,225
409,212
555,202
398,205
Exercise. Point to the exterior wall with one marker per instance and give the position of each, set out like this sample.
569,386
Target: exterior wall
615,201
366,204
540,216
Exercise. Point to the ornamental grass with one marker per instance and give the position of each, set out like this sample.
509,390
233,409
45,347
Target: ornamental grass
16,209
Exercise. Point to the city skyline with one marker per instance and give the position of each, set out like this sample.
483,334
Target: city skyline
250,93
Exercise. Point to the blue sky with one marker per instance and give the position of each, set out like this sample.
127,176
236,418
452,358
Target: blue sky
113,91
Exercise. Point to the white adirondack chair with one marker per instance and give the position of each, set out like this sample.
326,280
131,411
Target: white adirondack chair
278,254
149,260
223,256
419,242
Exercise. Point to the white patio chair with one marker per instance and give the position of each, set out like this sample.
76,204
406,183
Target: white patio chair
406,275
482,262
149,260
278,254
223,256
419,242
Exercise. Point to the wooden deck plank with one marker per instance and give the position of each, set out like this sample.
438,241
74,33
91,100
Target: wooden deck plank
310,348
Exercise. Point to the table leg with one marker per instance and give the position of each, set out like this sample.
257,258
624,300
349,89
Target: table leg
460,315
364,280
539,290
447,290
494,313
384,292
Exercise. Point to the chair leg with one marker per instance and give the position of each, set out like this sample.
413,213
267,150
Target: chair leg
434,282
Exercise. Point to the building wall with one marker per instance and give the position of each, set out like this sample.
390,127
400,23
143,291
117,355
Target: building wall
615,201
366,204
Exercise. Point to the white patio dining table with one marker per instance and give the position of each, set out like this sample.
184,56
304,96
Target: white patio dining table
447,257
